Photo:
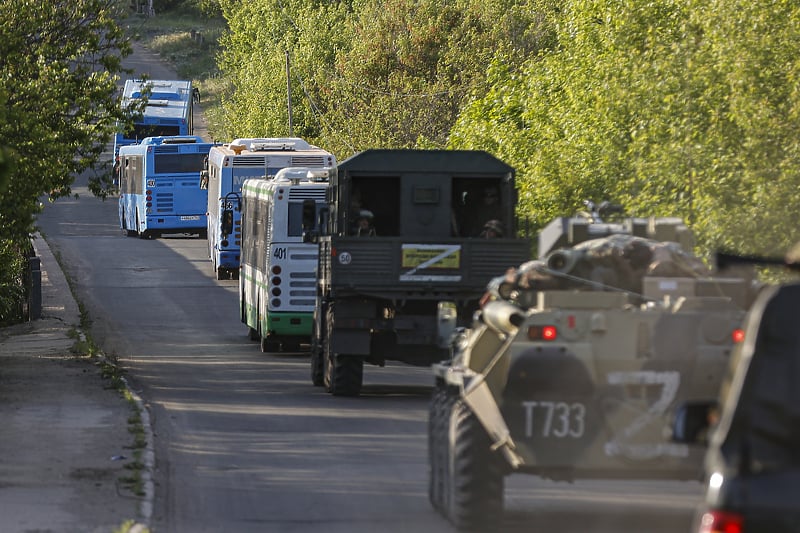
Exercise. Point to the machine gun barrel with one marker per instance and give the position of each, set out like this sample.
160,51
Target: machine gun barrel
726,260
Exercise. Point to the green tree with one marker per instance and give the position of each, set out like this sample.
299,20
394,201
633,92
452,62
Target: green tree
672,108
60,63
368,73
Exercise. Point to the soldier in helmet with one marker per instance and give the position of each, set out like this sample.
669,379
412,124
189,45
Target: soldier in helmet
492,230
363,224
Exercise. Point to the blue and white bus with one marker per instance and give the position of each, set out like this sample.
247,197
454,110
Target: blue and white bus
168,112
277,284
228,166
160,186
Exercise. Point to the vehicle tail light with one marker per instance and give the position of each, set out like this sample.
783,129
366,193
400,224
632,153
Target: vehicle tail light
721,522
542,333
738,335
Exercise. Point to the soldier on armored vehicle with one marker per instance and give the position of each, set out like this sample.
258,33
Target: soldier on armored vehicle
576,362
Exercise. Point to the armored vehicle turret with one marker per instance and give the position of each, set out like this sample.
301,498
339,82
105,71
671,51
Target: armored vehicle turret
576,362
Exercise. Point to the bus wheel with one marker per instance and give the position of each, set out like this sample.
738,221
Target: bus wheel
269,346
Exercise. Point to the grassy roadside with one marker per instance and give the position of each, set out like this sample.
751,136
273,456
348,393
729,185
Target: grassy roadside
188,41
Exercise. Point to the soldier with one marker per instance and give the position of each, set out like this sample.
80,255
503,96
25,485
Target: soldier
363,224
492,230
487,210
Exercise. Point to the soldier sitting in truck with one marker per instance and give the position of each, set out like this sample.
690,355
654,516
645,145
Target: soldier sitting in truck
363,224
487,208
492,230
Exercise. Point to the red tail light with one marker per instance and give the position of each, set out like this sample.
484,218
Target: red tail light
721,522
542,333
738,335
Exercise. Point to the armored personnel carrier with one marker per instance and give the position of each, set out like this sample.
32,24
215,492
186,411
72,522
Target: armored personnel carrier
577,361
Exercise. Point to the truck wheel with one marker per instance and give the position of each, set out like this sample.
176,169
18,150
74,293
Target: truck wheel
253,335
222,273
343,374
318,346
441,403
475,472
348,375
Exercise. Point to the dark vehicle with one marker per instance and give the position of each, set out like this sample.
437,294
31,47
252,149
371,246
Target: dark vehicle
753,461
576,362
396,291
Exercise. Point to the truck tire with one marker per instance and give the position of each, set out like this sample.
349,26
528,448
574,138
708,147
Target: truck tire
348,375
441,403
476,474
318,346
343,373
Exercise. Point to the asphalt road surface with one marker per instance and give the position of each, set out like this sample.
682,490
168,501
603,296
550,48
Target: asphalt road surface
244,442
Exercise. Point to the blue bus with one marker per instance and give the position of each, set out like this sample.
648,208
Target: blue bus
159,186
168,111
228,166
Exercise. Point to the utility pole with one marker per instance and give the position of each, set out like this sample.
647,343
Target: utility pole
289,95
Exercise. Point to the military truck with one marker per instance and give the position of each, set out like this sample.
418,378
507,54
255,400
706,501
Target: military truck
575,364
395,292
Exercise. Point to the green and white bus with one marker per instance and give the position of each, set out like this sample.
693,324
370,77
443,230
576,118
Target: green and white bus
278,271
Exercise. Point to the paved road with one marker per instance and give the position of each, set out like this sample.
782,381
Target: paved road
244,442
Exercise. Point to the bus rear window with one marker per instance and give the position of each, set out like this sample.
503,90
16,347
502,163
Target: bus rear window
294,224
179,163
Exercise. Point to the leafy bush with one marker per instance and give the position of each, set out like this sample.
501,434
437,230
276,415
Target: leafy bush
12,289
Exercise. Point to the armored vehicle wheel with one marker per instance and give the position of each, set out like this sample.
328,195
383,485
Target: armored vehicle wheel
475,480
441,403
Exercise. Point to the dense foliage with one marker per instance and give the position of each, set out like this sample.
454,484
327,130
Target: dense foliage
679,108
671,108
367,73
59,64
